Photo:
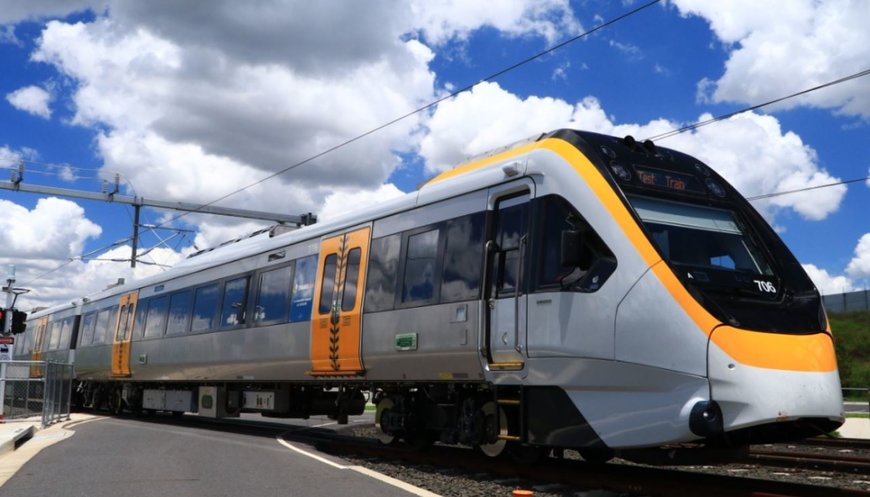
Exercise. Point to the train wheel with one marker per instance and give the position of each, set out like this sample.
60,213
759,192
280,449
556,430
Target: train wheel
596,456
495,423
383,437
116,401
527,454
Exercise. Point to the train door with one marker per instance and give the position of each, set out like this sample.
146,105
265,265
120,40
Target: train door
506,254
38,345
336,326
121,344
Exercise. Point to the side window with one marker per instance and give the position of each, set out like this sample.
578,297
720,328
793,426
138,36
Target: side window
348,298
155,321
273,295
463,258
327,291
419,282
233,307
180,306
596,261
303,288
383,271
511,221
105,319
204,307
141,312
87,333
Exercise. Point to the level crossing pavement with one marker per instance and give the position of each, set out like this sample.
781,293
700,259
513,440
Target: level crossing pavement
320,474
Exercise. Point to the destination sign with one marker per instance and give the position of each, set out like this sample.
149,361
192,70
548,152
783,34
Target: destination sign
669,180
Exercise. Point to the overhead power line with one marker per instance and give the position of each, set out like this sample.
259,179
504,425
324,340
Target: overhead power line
428,106
697,125
806,189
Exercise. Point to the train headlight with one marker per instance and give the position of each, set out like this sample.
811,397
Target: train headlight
715,187
620,171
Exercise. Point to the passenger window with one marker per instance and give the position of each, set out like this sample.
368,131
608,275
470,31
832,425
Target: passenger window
383,271
419,279
87,334
47,337
180,306
327,291
348,300
273,295
303,289
141,312
104,317
233,308
56,331
204,308
463,259
596,260
155,322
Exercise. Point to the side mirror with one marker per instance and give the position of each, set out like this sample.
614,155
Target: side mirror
572,248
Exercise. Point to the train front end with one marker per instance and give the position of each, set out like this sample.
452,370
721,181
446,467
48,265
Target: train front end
713,259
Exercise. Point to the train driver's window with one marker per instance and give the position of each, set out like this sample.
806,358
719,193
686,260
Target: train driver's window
597,262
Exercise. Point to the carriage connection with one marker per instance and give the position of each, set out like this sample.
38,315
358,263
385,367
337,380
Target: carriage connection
574,290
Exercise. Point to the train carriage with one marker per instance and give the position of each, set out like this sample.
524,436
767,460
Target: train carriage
571,291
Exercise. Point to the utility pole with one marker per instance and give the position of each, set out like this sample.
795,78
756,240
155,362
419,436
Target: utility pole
7,341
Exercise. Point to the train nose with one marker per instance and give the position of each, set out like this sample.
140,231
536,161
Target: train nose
772,378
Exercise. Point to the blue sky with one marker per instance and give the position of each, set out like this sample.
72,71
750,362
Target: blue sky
190,103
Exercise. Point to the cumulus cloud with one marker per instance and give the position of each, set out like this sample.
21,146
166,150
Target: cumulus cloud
750,150
32,99
775,51
859,266
440,22
827,283
346,201
54,229
31,10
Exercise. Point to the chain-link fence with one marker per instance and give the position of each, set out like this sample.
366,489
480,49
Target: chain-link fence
32,388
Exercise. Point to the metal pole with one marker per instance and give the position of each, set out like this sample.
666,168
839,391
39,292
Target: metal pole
135,235
10,281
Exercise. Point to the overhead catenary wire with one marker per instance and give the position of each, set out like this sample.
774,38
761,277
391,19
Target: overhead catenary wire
428,106
807,188
722,117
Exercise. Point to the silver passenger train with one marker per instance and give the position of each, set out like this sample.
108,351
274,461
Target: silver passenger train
572,291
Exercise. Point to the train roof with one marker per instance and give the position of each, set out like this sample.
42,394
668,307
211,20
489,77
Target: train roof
477,172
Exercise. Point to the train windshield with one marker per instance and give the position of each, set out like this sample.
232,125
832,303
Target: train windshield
701,238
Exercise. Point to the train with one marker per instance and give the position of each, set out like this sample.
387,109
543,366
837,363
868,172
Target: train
570,291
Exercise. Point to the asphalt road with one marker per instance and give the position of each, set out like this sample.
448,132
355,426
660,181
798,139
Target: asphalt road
116,457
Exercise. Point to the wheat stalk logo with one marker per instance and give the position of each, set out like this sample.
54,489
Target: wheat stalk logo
335,319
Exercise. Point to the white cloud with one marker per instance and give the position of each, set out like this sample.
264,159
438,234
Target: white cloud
776,51
345,201
826,283
23,10
442,21
859,266
751,151
54,229
32,99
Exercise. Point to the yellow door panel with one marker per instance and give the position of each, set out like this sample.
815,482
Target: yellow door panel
38,345
336,324
123,335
